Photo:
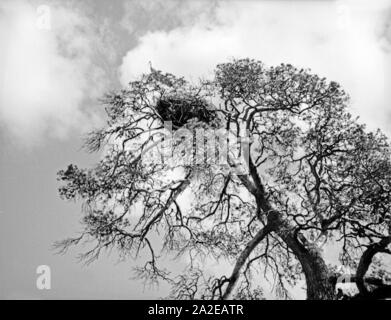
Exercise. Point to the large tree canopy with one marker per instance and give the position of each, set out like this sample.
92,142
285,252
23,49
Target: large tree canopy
315,178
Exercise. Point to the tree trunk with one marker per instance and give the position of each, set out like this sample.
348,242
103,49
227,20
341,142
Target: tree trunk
319,286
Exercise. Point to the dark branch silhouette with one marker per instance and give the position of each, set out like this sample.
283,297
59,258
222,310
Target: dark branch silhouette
314,177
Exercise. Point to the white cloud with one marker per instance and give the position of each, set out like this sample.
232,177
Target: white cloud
338,40
152,15
45,75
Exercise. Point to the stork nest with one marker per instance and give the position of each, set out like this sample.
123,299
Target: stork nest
181,110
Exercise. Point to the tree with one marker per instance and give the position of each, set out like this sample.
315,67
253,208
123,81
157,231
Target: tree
314,178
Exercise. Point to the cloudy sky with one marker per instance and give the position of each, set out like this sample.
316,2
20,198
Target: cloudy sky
58,57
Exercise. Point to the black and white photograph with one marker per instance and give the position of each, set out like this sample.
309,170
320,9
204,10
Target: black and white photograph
169,150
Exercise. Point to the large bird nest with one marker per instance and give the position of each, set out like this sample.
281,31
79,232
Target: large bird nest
181,110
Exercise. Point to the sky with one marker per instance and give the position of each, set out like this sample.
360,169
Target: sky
58,58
